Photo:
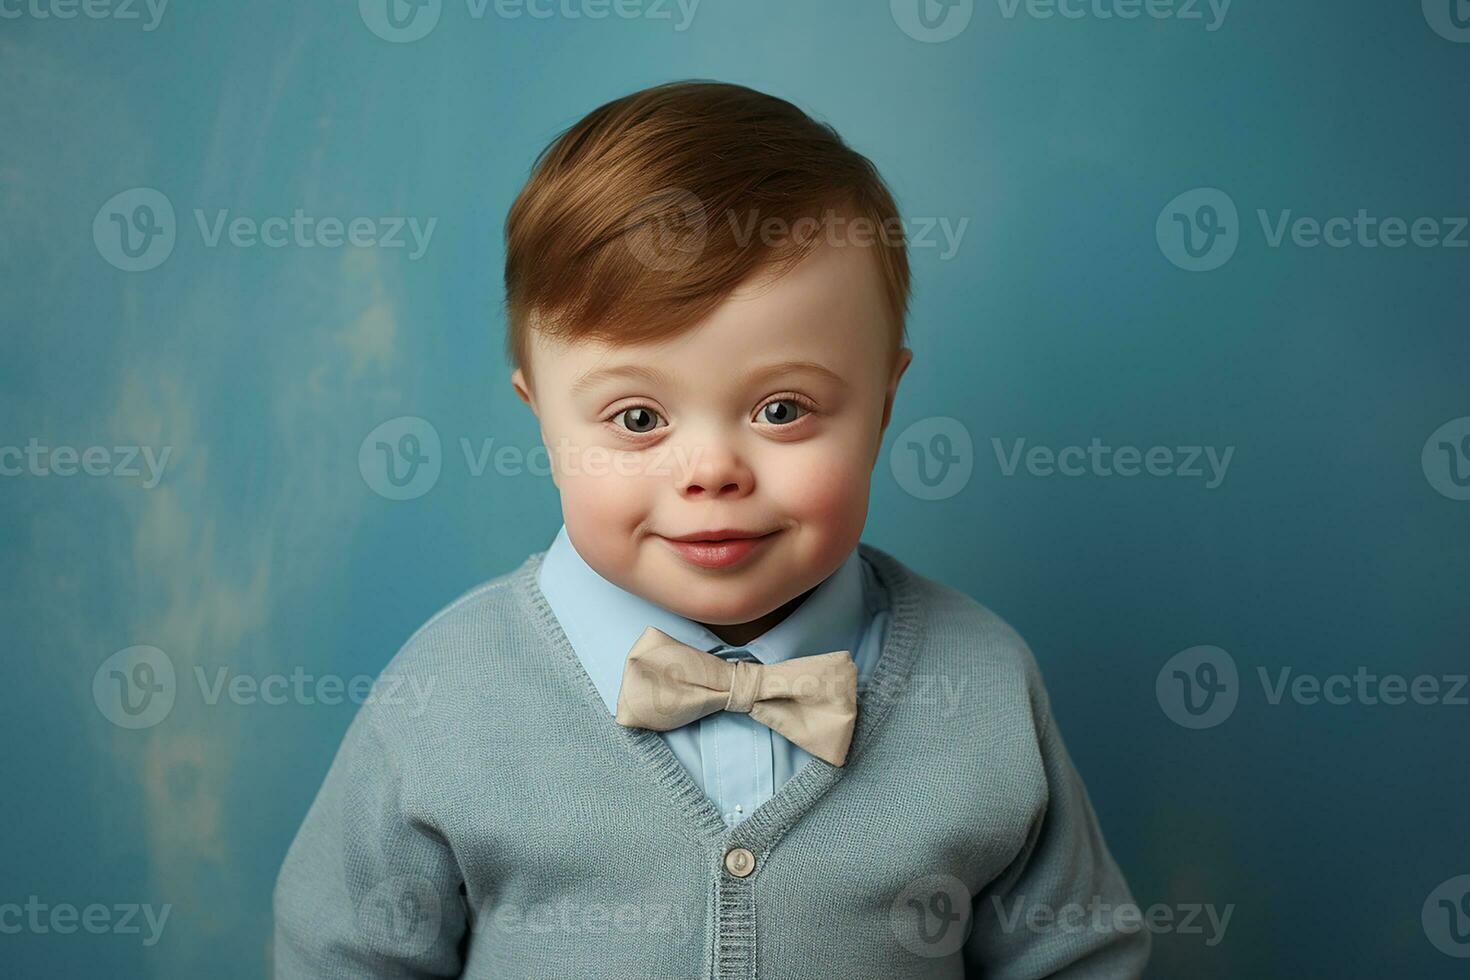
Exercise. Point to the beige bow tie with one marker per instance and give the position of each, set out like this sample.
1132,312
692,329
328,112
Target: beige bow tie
810,700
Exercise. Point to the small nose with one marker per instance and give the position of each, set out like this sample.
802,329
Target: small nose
713,469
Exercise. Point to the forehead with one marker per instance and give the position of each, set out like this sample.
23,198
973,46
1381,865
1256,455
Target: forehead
829,309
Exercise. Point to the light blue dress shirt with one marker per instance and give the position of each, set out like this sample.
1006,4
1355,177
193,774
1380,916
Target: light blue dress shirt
737,761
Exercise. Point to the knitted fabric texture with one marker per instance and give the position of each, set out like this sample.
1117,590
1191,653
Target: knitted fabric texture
508,827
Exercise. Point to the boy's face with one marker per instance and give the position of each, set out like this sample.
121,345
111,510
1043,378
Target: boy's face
712,437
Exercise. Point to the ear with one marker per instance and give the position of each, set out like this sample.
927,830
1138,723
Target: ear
518,382
900,365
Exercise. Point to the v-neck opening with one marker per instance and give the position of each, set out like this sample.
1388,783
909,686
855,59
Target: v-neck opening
790,801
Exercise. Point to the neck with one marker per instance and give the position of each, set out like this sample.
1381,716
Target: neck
739,634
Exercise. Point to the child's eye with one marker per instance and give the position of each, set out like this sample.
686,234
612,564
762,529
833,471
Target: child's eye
641,419
782,411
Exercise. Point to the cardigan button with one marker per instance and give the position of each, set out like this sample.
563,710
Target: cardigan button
739,861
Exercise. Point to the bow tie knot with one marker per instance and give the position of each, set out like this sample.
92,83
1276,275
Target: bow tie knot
745,686
811,700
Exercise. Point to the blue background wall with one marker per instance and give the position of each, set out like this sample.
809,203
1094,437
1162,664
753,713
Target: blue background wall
1336,540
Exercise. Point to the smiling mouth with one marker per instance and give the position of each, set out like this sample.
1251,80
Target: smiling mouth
723,534
721,553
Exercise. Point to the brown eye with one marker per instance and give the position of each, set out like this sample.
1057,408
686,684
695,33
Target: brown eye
640,419
782,411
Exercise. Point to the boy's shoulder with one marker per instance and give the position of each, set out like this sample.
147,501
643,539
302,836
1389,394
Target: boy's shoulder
951,618
966,645
478,619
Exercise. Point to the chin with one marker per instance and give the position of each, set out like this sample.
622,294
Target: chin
722,609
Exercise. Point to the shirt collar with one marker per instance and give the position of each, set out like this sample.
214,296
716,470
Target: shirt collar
602,620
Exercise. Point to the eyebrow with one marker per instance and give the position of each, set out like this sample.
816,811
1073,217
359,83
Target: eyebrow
650,375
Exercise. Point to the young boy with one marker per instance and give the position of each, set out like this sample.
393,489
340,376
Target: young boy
707,732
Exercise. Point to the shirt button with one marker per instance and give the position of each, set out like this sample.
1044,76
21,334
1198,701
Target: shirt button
739,861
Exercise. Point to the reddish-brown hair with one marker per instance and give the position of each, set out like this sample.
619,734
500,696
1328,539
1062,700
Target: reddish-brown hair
636,221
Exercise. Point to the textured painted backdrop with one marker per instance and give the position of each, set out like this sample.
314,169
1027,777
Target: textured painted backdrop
187,415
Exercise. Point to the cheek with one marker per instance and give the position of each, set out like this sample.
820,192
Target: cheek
606,496
822,488
602,499
595,522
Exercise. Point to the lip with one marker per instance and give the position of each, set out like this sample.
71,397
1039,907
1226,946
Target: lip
722,534
718,552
